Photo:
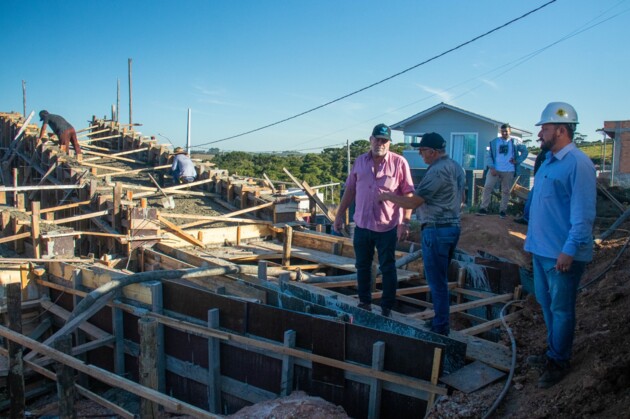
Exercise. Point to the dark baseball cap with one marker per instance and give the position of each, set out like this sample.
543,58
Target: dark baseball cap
43,114
431,140
382,131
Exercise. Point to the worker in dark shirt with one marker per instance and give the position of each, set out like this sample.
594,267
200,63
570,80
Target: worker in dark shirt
62,129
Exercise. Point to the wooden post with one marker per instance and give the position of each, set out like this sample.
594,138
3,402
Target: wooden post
147,361
378,363
116,217
461,283
35,229
286,385
118,329
15,184
157,306
238,235
262,269
79,335
435,374
214,365
15,377
66,391
286,246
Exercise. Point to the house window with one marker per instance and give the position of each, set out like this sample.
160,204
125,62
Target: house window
411,138
464,149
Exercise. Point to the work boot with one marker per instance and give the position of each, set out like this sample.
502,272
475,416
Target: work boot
521,220
502,214
365,306
554,373
482,211
386,312
536,361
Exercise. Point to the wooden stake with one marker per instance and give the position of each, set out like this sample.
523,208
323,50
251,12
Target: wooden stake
35,219
16,368
286,246
148,364
65,379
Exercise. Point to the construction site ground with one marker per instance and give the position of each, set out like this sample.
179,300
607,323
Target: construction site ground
599,382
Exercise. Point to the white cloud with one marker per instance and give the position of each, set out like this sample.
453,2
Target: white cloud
442,94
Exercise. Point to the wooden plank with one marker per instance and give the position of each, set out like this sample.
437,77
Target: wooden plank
107,377
80,217
128,172
39,188
179,232
467,306
489,325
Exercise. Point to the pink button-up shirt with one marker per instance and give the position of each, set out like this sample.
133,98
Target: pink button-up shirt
392,175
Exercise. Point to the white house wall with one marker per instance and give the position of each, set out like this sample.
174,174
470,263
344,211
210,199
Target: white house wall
445,122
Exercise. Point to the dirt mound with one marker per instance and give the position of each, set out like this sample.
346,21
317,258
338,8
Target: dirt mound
297,405
598,383
500,237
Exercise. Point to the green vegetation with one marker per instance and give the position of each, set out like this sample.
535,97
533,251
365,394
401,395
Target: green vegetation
329,166
594,150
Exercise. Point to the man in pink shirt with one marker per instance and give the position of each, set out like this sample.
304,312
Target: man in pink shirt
378,224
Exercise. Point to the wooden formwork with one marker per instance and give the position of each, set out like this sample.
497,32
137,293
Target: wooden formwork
272,326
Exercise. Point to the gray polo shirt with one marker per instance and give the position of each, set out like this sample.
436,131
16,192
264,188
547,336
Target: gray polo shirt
442,188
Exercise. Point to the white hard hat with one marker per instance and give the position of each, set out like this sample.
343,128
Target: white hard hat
558,113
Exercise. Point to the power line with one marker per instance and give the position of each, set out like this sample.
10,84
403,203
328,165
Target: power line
506,68
435,57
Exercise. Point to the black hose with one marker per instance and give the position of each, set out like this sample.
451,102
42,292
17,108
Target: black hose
506,387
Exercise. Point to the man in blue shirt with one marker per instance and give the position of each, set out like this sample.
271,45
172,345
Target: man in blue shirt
560,235
182,169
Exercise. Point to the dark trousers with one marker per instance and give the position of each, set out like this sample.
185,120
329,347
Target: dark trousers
69,135
365,241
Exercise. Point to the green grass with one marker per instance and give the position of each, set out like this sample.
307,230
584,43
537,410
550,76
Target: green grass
592,149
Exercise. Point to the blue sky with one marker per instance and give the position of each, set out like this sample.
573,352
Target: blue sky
240,65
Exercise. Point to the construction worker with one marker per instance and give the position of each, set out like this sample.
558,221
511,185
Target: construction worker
560,235
62,129
378,224
183,169
503,156
438,200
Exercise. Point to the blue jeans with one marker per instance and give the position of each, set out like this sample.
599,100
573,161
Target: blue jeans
385,243
438,246
556,293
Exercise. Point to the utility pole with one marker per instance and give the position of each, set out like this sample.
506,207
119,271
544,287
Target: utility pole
24,96
188,133
130,96
117,100
348,148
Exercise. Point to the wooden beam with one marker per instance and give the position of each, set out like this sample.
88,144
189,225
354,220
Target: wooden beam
176,187
13,238
41,260
180,233
489,325
80,217
107,377
127,172
467,306
39,188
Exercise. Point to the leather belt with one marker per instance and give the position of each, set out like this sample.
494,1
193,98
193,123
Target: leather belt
438,225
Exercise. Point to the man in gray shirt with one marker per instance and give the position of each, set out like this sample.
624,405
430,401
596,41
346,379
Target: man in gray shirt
439,197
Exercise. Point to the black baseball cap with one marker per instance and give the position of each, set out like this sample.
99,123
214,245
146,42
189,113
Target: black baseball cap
431,140
382,131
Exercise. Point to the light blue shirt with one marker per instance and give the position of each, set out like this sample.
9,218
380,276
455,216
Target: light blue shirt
183,167
563,206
